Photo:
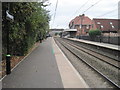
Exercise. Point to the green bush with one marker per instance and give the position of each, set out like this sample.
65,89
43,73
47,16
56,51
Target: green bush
56,34
94,33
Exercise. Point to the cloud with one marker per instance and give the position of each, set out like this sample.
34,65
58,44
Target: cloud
67,8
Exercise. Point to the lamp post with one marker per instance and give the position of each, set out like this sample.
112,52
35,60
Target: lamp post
109,36
9,18
81,27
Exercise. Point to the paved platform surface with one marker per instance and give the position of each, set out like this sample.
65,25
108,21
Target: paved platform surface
38,70
45,67
111,46
70,77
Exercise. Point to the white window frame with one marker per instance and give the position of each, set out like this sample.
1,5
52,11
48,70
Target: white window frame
102,26
111,23
98,23
113,26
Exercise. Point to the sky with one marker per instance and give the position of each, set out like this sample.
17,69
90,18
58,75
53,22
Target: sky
69,9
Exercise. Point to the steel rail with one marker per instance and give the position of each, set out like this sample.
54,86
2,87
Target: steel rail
76,46
96,52
105,77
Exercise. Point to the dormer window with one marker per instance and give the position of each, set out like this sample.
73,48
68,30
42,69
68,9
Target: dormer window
98,23
111,23
113,26
101,26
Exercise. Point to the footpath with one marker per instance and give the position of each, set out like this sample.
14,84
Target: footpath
45,67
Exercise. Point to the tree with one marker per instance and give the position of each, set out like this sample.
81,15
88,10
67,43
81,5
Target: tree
56,34
30,19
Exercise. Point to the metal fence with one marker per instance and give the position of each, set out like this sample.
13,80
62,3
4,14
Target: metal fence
104,39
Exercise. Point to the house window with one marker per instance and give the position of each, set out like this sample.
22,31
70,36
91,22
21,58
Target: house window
113,26
101,26
111,23
87,26
98,23
80,26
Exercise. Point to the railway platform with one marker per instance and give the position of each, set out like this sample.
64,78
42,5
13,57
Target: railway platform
109,50
45,67
110,46
100,59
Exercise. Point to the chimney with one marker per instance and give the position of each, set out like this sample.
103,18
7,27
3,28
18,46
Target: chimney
83,14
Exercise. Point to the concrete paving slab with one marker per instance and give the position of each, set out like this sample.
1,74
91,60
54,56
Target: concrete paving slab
38,70
70,77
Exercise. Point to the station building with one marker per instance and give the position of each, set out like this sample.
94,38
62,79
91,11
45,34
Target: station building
69,33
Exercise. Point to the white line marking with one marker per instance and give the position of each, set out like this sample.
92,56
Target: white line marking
2,78
79,76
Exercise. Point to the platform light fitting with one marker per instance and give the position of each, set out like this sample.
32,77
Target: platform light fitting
9,17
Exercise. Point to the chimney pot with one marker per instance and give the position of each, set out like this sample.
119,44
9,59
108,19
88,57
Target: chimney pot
83,14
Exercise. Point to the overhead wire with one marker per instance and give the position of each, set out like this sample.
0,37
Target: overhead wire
116,15
92,6
81,7
101,15
89,8
108,12
55,12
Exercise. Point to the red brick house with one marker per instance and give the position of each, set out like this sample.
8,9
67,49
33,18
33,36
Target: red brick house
107,26
82,23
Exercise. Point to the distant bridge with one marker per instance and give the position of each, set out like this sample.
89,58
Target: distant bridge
53,31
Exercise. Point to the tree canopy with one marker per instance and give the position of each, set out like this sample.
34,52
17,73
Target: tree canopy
31,21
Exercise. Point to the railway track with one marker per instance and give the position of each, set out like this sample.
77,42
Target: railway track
105,59
113,57
102,57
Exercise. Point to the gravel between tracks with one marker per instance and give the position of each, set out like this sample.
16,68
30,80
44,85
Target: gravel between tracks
90,76
108,70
